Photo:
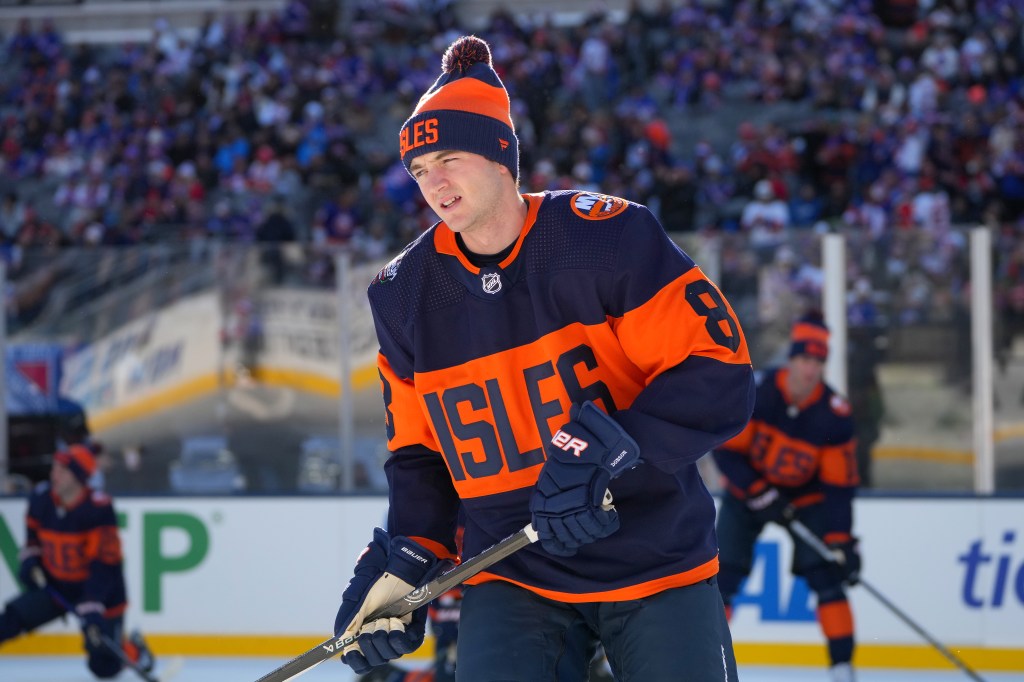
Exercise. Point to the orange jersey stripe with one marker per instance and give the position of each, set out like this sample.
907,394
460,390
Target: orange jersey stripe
658,338
782,459
67,556
839,465
509,400
638,591
439,550
116,611
404,419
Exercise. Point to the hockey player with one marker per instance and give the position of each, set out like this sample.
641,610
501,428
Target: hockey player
72,555
537,350
796,459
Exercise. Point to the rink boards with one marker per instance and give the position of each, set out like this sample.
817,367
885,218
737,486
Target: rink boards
263,576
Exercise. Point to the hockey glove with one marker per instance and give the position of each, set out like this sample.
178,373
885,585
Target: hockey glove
847,562
91,615
771,505
31,573
386,571
583,456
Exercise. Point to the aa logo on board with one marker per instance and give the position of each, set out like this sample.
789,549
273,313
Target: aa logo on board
597,206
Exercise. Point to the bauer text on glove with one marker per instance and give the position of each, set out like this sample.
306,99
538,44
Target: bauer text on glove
388,569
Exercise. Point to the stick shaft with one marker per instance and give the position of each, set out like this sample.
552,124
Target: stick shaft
407,604
808,536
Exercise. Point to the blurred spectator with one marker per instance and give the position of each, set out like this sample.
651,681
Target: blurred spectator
876,118
12,215
805,207
276,229
676,190
765,219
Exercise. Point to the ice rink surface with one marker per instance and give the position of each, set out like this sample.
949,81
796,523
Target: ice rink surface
203,669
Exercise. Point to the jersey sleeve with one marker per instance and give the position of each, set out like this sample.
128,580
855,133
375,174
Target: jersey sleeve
417,474
838,472
680,331
838,459
423,503
103,551
733,461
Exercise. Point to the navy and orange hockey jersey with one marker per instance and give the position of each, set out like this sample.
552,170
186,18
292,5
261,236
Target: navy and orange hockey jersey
479,366
79,546
806,451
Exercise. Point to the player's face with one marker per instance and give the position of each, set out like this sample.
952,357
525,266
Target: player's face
62,481
463,189
805,372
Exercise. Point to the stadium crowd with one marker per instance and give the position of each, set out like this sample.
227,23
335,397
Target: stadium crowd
909,121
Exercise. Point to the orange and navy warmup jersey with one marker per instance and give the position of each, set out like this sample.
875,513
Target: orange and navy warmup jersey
806,451
79,546
479,366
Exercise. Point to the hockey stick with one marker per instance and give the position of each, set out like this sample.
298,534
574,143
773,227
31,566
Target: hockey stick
107,641
816,543
407,604
415,599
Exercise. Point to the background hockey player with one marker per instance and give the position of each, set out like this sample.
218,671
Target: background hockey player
796,457
536,350
72,556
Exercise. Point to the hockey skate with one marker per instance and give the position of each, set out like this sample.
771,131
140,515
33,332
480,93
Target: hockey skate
841,672
139,652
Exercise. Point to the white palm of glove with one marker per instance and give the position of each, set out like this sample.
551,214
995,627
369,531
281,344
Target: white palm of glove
386,590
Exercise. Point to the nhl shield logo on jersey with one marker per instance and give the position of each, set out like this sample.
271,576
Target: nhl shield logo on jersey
491,282
597,206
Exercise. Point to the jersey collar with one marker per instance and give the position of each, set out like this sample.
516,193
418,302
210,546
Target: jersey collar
444,238
58,502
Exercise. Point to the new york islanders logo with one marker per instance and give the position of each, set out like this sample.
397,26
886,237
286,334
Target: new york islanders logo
839,405
591,206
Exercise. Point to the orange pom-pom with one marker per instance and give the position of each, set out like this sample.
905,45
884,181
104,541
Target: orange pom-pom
464,53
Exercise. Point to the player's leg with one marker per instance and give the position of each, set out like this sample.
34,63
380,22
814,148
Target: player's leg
508,634
26,612
737,531
835,617
103,662
659,637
